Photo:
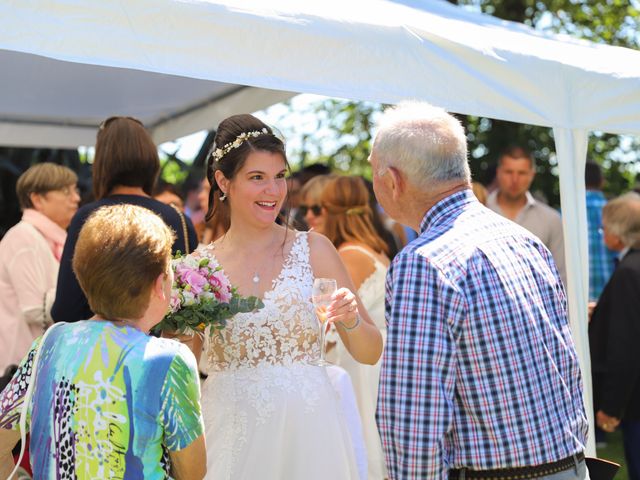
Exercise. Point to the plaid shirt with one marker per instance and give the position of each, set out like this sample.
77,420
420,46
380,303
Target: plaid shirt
601,259
479,369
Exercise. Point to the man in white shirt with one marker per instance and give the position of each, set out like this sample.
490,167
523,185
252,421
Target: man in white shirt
512,199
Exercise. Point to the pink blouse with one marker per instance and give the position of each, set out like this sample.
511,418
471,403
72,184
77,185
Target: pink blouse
29,261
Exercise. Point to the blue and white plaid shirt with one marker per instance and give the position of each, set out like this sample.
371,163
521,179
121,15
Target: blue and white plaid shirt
601,259
479,369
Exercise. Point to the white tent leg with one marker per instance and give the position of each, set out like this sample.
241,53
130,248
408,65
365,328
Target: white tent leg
571,147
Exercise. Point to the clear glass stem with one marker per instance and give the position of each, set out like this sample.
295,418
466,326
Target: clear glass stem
323,343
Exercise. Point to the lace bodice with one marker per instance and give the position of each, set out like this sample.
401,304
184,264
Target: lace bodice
283,332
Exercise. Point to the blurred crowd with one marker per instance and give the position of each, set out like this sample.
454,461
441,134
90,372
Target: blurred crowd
39,286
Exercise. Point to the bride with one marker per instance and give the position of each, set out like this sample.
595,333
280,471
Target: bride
269,413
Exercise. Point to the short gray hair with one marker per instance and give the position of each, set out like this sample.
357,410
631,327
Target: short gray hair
622,218
424,142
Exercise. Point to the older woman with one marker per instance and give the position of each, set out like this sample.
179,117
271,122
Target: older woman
110,401
30,256
125,169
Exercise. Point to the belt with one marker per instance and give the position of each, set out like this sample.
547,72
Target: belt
519,473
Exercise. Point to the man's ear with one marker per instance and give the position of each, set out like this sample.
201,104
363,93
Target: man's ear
397,183
222,181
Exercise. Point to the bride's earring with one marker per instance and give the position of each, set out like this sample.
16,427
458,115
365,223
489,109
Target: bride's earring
223,197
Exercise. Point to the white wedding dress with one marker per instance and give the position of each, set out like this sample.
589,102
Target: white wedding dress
365,378
268,413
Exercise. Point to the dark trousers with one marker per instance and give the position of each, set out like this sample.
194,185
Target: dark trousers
631,439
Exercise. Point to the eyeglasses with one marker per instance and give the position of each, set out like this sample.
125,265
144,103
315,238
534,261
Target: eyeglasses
70,190
106,122
315,209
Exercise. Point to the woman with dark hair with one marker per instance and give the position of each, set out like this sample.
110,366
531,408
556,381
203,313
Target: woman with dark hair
269,412
125,170
348,223
101,398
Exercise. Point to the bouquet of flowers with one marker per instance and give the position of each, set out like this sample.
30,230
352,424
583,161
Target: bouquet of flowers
201,296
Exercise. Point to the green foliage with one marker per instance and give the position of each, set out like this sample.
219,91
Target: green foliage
211,313
173,170
340,136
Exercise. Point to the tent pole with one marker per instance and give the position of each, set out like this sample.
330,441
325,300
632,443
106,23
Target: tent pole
571,148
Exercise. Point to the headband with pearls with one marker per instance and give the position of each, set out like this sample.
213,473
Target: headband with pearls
218,153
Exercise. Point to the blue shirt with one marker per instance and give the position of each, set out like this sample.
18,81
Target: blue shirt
601,259
479,369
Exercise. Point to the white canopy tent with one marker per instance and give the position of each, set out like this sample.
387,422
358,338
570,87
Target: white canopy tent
67,64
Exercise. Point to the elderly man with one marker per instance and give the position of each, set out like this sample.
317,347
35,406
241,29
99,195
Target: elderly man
515,173
614,331
480,378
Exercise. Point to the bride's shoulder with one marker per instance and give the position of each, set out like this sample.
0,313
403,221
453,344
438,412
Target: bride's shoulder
321,250
319,243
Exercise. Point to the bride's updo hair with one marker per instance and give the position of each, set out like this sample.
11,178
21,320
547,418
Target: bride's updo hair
236,137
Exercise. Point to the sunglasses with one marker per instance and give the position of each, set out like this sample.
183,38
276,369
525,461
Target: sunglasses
106,122
315,209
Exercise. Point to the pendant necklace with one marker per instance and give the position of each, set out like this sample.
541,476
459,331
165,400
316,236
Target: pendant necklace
256,273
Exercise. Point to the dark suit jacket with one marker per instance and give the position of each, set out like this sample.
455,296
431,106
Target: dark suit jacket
614,339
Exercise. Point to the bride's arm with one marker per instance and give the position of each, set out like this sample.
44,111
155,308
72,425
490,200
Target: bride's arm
357,331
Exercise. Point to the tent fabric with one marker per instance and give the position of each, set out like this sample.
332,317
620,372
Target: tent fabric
377,50
51,103
178,65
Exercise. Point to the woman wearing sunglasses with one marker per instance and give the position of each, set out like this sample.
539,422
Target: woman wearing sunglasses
310,208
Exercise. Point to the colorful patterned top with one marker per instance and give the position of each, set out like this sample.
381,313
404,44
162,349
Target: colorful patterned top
109,402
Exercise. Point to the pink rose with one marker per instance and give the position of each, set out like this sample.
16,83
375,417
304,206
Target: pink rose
221,286
174,303
193,278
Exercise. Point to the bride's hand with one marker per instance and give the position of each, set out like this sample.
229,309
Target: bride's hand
343,309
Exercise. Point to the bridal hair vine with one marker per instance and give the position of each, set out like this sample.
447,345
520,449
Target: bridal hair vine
218,153
355,211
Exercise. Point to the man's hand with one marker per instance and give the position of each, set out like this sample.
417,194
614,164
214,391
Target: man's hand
590,307
605,422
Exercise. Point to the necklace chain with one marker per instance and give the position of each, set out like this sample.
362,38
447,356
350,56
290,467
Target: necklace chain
255,279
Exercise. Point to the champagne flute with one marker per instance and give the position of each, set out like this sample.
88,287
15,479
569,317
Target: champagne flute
323,289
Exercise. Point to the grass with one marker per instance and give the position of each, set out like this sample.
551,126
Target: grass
614,451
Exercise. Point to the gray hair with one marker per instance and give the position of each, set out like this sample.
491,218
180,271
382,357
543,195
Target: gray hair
622,218
424,142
